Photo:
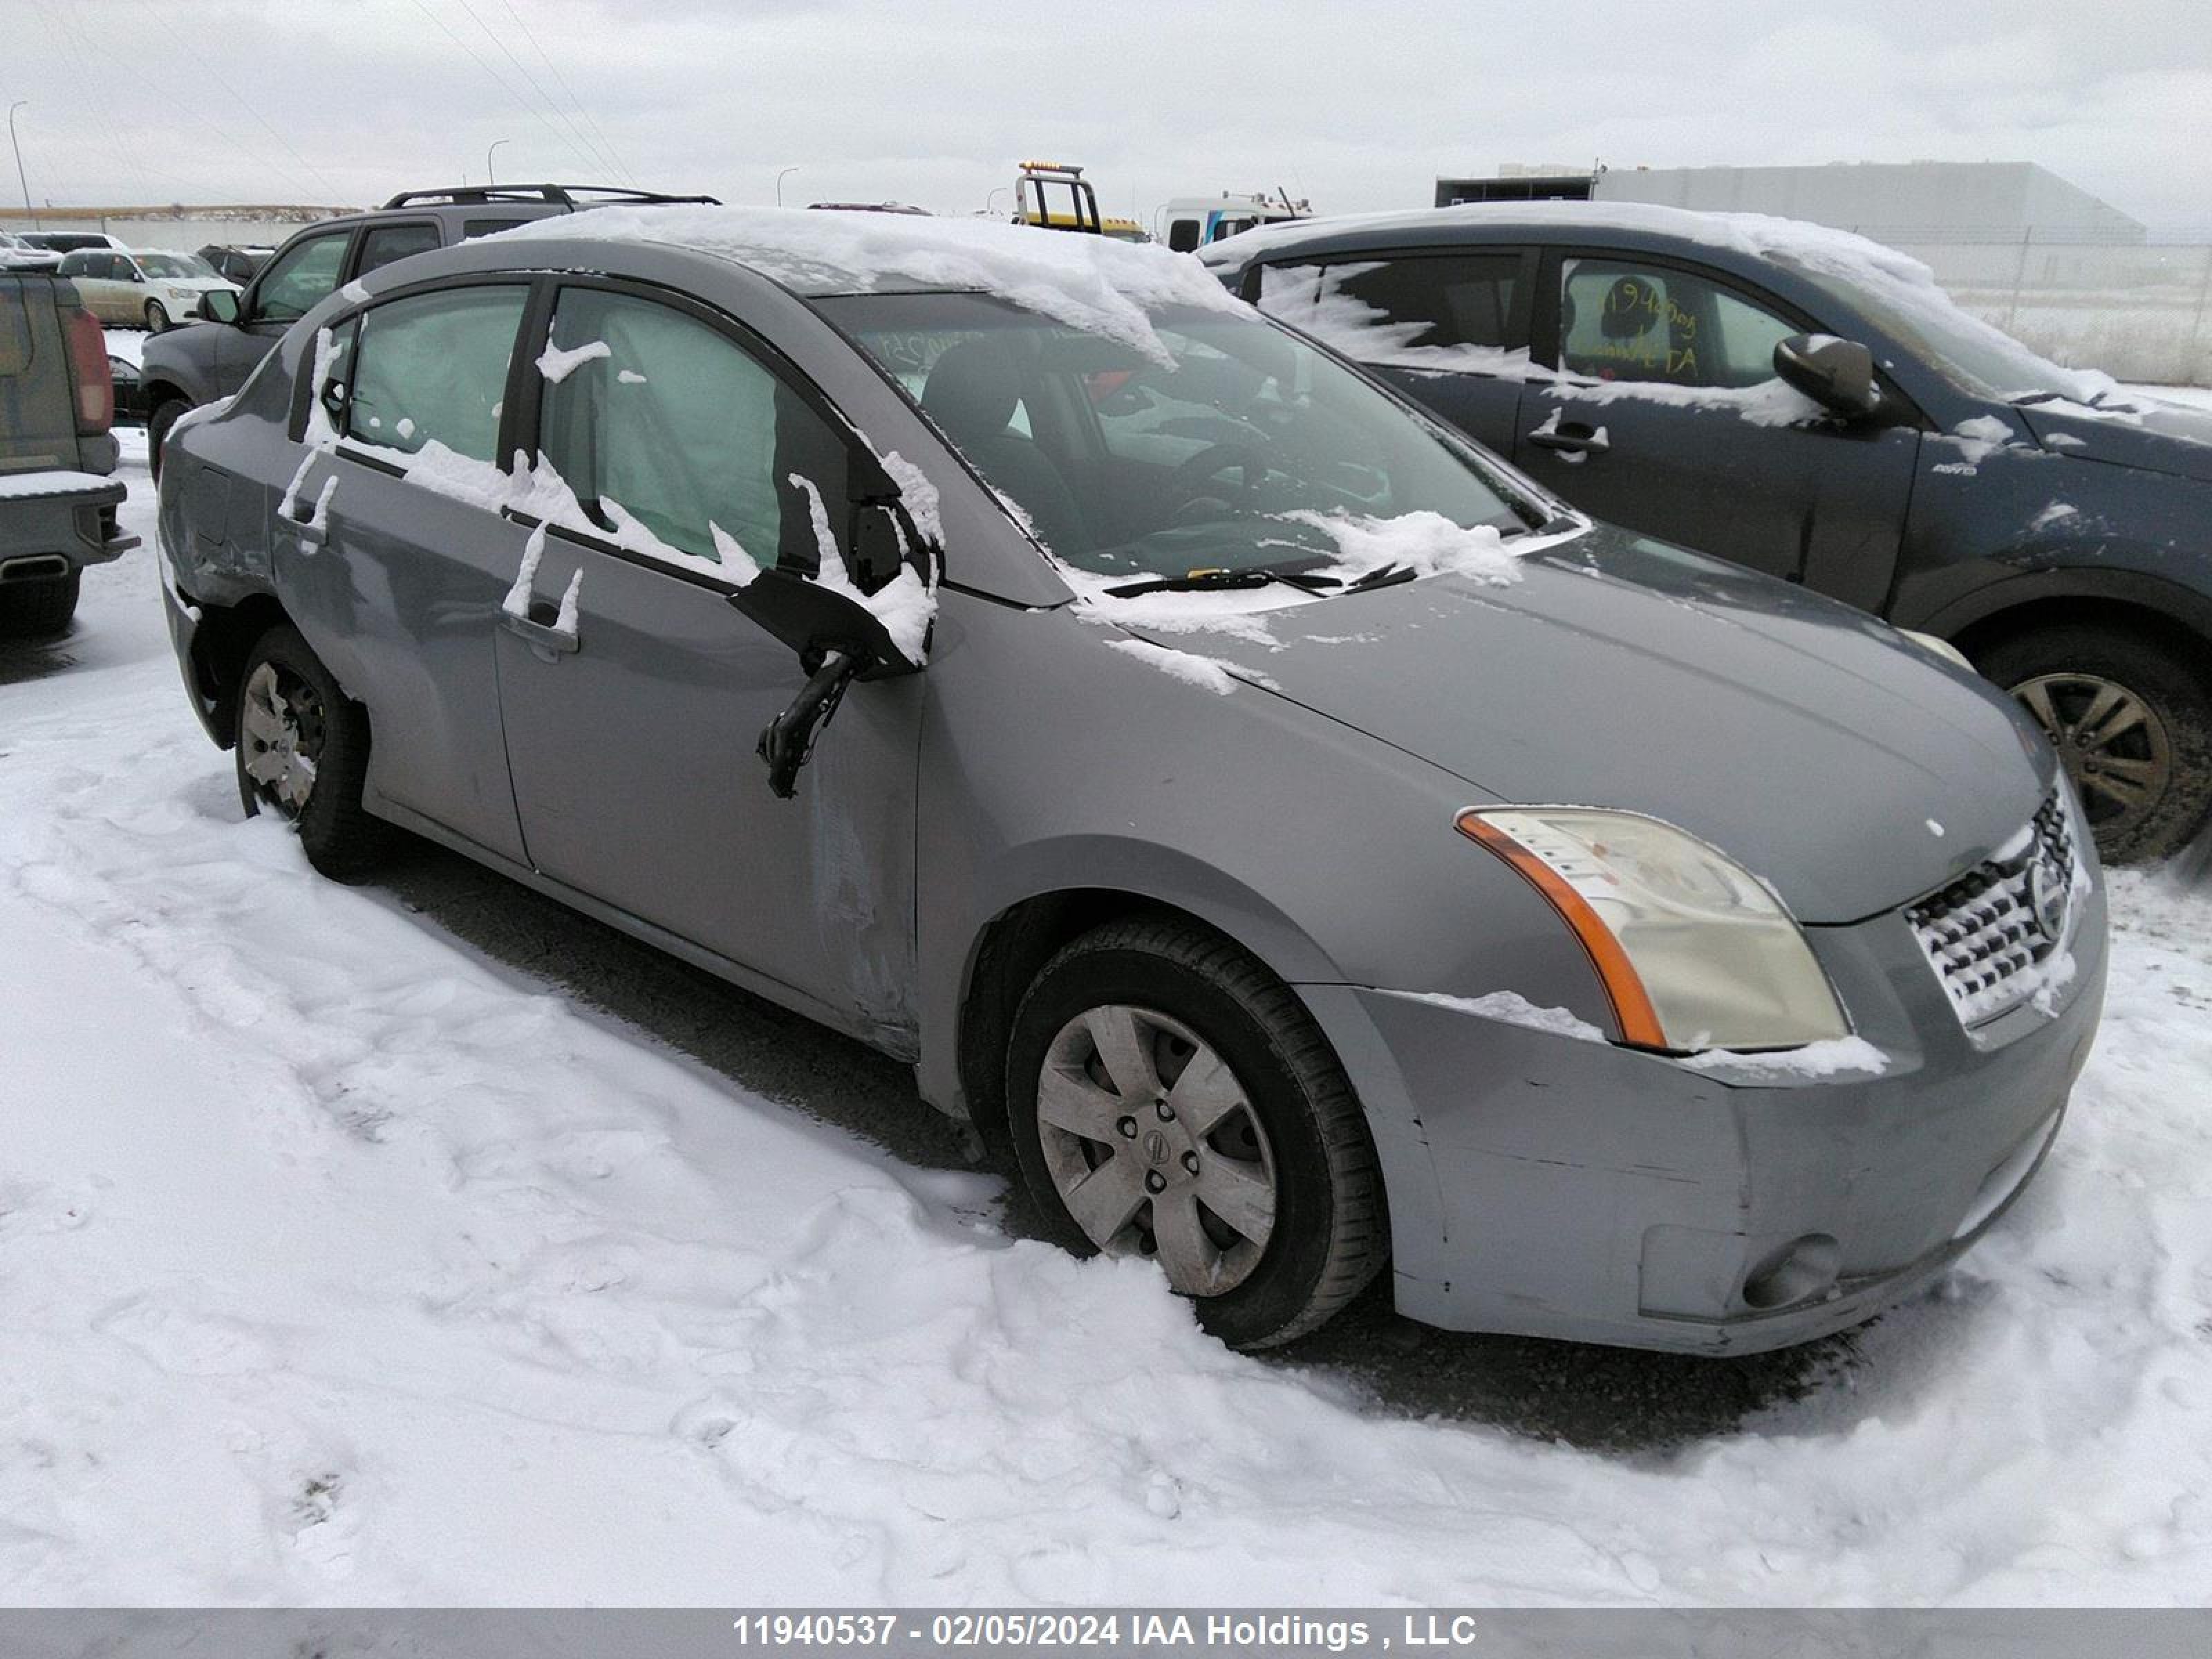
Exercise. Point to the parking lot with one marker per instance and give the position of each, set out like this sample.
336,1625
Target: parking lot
421,1241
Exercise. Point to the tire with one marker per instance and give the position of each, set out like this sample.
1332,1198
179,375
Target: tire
1192,998
164,417
2144,763
157,317
289,708
39,608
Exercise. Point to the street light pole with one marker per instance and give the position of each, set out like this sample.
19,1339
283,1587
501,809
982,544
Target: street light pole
16,146
491,177
779,184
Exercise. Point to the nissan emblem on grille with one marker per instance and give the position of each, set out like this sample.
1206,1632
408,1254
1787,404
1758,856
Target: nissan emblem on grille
1987,930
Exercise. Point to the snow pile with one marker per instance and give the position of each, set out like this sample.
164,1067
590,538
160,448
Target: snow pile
1215,674
340,1265
1093,283
1514,1009
1427,543
1832,1057
1980,437
557,365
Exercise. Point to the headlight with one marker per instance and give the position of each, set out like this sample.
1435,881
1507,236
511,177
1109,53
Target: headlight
1942,648
1694,951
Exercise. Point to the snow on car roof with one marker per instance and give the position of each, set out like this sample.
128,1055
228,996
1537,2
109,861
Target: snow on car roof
1094,283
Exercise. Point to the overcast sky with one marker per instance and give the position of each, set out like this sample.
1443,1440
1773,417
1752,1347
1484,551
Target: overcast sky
345,102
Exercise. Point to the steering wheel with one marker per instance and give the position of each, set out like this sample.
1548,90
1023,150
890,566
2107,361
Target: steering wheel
1188,481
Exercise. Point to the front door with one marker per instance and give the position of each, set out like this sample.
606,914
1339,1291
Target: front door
1666,417
290,285
635,693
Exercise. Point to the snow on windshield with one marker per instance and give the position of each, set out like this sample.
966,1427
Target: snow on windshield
1093,283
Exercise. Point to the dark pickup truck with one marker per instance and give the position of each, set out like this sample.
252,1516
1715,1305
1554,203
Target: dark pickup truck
58,494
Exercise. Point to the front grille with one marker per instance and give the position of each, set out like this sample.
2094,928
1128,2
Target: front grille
1983,934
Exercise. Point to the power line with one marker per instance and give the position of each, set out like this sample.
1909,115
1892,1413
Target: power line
592,161
216,75
505,85
605,143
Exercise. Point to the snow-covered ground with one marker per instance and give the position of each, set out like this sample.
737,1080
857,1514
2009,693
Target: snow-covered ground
343,1261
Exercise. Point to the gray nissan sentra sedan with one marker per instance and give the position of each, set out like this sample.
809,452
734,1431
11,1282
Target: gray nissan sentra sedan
1298,840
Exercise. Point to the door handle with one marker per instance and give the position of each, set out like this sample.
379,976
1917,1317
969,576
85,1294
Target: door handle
1573,439
307,532
542,635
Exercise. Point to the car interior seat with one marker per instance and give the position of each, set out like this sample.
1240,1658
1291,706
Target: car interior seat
971,394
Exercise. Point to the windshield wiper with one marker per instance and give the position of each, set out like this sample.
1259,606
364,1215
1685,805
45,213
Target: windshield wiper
1207,581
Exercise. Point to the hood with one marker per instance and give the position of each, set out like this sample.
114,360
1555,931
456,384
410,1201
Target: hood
196,284
1826,753
2157,437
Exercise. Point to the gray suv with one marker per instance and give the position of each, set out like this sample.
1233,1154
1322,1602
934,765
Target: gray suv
184,367
1297,840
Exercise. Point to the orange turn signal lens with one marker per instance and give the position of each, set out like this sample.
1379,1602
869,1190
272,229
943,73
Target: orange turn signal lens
1633,1016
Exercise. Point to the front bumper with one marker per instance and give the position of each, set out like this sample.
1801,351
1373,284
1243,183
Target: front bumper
52,533
1555,1187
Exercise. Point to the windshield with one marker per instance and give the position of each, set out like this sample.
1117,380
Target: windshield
1976,356
1237,454
174,266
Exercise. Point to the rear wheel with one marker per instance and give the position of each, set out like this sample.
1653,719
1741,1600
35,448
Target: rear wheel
40,607
157,316
1171,1100
302,753
2131,721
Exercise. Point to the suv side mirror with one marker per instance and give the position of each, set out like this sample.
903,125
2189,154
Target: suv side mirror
1836,374
217,305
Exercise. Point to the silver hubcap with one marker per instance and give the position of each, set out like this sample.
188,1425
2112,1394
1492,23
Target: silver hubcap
281,732
2112,741
1154,1147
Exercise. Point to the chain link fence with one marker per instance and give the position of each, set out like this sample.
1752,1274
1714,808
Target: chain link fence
2139,311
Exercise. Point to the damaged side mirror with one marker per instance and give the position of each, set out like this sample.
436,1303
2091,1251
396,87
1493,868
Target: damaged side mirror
837,636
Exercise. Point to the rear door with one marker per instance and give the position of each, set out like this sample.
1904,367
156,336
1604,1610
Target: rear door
1666,417
635,693
1449,327
396,574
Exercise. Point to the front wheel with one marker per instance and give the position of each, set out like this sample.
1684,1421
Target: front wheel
165,415
1171,1100
302,753
157,317
2132,723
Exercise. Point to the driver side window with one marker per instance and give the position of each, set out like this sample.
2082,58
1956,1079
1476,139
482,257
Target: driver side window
298,281
660,423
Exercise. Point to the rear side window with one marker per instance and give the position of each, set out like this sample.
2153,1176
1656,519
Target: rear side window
300,278
386,243
1623,320
432,368
660,420
76,265
1415,312
473,228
